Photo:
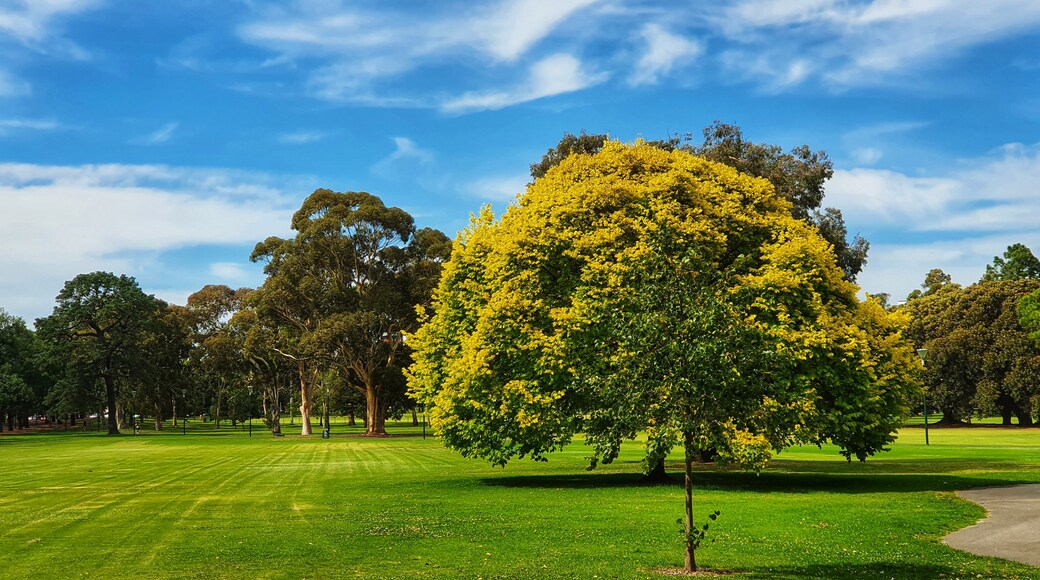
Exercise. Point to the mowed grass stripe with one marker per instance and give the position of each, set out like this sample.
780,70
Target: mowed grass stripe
229,506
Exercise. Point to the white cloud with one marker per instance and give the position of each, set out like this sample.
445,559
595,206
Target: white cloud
998,192
60,221
898,269
983,204
159,136
554,75
663,52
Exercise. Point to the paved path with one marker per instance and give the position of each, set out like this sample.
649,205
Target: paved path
1012,530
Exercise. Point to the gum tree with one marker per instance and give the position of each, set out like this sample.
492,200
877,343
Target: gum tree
344,291
638,289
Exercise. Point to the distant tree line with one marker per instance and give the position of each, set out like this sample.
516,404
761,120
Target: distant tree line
325,331
983,341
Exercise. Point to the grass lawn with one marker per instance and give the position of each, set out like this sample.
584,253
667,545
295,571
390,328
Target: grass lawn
220,504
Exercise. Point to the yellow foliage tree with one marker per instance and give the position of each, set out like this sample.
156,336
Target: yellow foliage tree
637,289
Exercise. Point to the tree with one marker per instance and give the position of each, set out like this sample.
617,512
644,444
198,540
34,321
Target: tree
1018,262
639,289
21,383
216,358
345,291
269,370
96,327
798,176
980,357
1029,314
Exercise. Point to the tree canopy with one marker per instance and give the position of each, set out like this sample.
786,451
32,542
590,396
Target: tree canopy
798,175
22,382
95,330
343,291
644,289
981,359
1018,262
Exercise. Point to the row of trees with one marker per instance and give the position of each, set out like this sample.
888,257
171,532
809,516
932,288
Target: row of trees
328,326
982,360
326,330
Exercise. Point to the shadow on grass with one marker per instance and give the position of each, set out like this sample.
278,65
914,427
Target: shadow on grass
788,478
867,570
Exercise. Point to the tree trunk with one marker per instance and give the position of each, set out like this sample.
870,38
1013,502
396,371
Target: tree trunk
305,401
216,416
173,402
949,419
375,425
1025,417
415,418
691,561
158,417
658,474
351,420
110,394
276,413
1005,416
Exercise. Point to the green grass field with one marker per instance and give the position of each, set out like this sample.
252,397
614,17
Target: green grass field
220,504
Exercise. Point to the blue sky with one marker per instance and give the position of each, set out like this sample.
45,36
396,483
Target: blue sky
164,139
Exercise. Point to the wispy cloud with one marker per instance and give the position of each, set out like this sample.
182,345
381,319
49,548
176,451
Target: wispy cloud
116,217
389,56
867,145
8,126
32,22
159,136
406,157
555,75
663,52
11,86
856,43
510,29
301,137
364,50
499,188
231,272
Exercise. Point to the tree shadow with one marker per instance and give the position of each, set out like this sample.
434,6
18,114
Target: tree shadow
796,477
865,570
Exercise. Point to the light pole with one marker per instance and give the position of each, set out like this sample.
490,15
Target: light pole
133,412
923,353
250,387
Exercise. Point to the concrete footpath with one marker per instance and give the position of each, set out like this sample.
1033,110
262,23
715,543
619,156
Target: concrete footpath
1012,530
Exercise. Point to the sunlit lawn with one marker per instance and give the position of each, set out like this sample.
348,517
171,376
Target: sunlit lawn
222,504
